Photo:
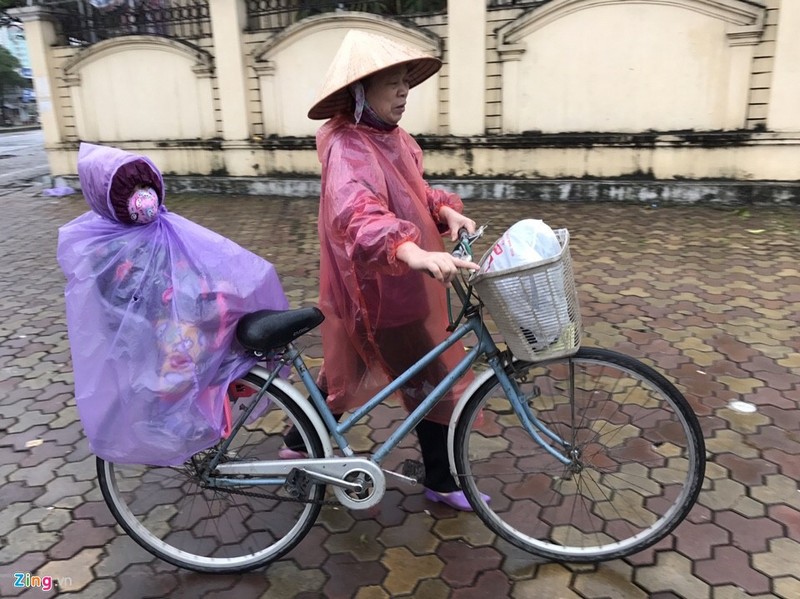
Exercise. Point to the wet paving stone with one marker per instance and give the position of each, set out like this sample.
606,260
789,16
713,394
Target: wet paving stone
731,565
464,564
690,290
365,573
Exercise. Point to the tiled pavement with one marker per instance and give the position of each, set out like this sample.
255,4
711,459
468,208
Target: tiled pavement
708,295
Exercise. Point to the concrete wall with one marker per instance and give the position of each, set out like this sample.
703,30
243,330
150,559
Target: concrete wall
651,89
141,88
290,69
622,66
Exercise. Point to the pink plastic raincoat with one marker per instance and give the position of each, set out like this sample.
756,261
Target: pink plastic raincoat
380,316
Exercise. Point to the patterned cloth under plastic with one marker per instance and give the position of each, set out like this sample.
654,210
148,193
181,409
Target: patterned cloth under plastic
151,317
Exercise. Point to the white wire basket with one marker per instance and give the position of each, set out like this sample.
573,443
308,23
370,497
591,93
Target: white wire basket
535,306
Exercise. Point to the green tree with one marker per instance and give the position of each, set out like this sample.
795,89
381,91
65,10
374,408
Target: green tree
9,78
6,18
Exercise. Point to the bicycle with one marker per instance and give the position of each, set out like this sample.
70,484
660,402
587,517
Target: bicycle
587,454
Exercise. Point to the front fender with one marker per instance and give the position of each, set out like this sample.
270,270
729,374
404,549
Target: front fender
480,379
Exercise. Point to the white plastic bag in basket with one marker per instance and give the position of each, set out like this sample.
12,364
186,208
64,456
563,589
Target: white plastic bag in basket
542,318
525,242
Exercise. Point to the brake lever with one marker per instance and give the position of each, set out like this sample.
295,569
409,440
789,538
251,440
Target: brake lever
466,242
478,233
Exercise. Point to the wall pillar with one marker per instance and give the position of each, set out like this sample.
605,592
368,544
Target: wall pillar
40,35
743,41
466,64
228,21
783,113
511,73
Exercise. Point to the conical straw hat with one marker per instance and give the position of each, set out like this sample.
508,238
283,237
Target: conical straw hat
360,55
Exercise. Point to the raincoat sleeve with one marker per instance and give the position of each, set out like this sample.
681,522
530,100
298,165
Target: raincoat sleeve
359,210
436,198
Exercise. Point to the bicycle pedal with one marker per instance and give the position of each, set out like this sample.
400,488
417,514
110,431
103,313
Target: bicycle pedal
413,469
297,484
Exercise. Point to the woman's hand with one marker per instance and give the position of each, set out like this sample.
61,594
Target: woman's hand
440,265
455,221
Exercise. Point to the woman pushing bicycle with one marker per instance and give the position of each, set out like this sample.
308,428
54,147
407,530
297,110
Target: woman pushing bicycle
383,265
570,453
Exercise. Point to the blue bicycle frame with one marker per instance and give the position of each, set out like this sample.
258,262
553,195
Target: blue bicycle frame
485,346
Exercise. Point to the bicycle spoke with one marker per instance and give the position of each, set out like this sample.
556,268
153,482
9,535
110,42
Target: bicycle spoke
610,499
213,528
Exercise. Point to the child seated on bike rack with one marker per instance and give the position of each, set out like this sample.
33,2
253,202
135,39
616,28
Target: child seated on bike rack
380,228
152,305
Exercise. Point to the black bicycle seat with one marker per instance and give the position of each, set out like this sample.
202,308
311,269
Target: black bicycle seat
265,330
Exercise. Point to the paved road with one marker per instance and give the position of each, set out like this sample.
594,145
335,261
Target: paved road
22,157
709,296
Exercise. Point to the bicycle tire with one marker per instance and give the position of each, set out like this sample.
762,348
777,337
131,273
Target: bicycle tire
639,469
168,513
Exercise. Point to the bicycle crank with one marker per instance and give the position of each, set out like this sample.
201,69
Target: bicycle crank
363,491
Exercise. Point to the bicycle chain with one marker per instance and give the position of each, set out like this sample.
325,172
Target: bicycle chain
271,496
197,467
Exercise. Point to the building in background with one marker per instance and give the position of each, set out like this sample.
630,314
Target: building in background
650,100
19,103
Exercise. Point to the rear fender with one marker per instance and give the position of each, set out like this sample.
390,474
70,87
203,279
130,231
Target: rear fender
303,403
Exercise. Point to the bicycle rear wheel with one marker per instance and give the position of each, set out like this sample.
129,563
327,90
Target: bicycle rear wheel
637,457
168,511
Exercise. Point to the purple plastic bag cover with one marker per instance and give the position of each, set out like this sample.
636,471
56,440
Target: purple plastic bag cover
58,191
151,317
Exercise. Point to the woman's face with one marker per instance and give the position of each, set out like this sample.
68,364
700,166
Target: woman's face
386,92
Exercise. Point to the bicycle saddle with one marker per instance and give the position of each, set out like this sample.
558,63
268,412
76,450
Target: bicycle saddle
265,330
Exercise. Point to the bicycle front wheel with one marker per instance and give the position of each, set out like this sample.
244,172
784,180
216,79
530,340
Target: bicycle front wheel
169,512
635,451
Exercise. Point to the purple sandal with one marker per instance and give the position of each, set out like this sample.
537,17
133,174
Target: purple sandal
456,500
286,453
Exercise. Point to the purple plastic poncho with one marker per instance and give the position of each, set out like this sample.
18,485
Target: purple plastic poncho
151,317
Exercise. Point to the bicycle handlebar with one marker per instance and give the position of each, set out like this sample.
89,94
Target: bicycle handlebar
463,249
465,240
